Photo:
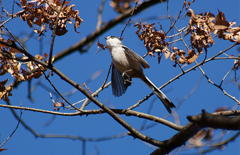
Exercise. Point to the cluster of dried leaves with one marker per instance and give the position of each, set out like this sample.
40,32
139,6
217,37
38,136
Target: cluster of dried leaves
53,13
17,65
155,42
201,30
203,26
122,6
153,39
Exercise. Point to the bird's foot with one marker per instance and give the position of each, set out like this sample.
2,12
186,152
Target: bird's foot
126,79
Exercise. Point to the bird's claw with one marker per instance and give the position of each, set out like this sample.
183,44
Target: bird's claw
126,79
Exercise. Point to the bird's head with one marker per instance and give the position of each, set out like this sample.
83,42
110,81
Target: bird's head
113,41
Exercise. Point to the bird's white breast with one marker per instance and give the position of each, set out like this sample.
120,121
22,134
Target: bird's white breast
119,58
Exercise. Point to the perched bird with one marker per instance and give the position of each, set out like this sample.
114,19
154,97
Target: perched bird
126,65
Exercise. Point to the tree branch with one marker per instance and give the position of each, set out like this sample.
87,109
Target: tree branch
206,119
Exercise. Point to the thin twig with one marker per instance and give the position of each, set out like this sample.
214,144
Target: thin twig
225,58
224,77
218,86
175,21
46,88
144,123
54,34
108,73
129,20
29,90
174,41
100,13
87,101
180,31
12,16
191,92
12,133
12,11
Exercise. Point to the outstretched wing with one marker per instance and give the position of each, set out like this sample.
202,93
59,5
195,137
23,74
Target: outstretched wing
118,85
138,58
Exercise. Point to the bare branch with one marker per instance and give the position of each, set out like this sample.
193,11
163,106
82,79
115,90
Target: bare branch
54,35
12,133
100,12
218,86
11,17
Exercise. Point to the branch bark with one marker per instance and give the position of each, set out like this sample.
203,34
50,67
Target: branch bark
206,119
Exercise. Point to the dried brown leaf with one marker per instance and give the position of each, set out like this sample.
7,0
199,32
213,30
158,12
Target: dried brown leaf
221,20
182,60
5,90
101,45
192,59
58,105
192,56
167,54
2,149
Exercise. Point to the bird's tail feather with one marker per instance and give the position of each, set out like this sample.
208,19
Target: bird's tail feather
165,100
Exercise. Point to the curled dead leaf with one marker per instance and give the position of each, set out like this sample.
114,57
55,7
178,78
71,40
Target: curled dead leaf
101,45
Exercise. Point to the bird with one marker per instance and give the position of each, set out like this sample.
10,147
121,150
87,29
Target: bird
126,64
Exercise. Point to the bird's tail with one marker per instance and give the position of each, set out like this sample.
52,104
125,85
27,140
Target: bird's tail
165,100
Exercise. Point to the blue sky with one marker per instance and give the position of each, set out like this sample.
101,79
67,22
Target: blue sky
80,67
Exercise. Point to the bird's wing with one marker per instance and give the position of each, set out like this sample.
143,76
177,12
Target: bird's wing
118,86
133,55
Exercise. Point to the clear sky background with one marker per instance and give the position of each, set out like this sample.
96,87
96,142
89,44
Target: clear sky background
81,67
